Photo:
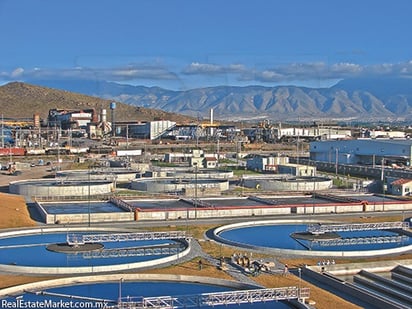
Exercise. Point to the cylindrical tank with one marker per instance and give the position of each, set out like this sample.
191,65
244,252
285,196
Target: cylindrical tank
36,120
104,115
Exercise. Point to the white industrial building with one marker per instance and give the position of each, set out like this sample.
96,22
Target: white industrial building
314,132
265,164
363,151
297,170
71,119
150,130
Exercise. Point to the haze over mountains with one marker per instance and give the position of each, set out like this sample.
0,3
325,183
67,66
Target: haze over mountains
354,99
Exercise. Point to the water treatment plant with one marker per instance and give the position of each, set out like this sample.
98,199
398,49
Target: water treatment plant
109,230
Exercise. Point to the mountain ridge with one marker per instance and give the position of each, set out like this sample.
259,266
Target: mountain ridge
23,100
366,99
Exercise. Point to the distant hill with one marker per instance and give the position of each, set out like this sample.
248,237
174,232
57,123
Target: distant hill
21,100
363,99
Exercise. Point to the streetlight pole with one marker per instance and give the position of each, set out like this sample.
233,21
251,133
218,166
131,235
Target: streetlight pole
2,131
300,281
336,161
88,200
218,150
119,302
383,183
196,167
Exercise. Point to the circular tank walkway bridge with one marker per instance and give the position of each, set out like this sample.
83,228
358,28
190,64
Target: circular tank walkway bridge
197,300
352,227
75,239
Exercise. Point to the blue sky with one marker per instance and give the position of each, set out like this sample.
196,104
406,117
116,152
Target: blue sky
183,44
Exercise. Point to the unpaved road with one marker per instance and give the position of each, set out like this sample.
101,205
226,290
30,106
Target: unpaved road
35,172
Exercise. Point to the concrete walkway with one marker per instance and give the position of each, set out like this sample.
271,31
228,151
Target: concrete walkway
234,272
197,252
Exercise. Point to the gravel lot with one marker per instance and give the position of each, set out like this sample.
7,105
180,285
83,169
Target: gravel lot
35,172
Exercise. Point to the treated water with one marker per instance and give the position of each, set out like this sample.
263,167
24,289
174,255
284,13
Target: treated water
136,290
31,250
81,208
278,236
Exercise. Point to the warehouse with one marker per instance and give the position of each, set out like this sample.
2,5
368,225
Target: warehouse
393,152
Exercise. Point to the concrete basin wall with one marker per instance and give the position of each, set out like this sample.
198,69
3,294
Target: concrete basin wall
354,268
33,270
94,217
184,172
347,208
204,174
155,185
261,211
279,185
207,213
118,174
48,284
305,253
44,187
85,218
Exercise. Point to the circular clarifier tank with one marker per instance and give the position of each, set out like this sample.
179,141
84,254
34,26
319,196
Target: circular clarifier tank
103,173
292,237
110,289
156,185
63,251
60,187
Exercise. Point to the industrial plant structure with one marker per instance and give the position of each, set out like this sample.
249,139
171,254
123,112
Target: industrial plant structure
395,152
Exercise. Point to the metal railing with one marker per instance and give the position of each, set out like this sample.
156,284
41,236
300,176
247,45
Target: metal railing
351,227
73,239
167,249
361,241
214,299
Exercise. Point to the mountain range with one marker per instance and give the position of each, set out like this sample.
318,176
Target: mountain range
366,99
22,100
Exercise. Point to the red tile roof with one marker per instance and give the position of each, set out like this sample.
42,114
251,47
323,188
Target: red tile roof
401,181
210,159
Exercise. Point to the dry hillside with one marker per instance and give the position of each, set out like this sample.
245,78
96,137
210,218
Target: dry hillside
20,100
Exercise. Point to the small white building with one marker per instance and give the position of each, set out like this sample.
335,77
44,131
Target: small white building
297,170
264,164
177,157
400,187
210,162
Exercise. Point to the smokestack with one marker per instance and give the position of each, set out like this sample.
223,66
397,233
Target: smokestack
113,107
104,116
211,116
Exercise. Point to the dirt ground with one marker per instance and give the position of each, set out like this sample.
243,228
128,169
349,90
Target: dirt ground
14,212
